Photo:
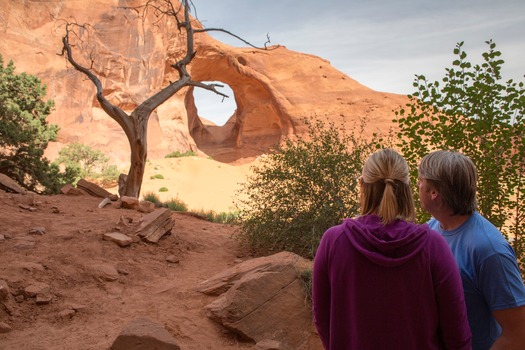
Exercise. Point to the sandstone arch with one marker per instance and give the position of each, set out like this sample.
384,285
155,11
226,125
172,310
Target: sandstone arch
259,121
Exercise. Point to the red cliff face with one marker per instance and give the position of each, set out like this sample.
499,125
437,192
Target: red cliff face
274,89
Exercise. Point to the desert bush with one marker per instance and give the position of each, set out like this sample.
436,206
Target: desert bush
473,112
308,185
157,176
175,204
83,157
25,132
90,163
163,189
153,198
178,154
305,277
108,176
221,217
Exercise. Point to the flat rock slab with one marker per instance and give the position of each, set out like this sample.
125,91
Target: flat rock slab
144,334
10,185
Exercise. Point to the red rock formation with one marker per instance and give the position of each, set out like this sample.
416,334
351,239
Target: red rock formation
274,89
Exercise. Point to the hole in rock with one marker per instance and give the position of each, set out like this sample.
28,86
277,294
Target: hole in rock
213,107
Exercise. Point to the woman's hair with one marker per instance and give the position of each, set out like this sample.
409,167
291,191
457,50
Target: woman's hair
454,177
385,187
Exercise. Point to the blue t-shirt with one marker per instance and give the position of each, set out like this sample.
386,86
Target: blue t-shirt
490,275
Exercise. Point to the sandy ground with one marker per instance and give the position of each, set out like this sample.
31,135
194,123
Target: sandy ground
203,184
87,310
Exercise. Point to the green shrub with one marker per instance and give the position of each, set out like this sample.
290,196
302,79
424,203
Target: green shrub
305,277
109,175
89,163
220,218
474,112
163,189
175,205
152,197
178,154
156,176
305,187
25,132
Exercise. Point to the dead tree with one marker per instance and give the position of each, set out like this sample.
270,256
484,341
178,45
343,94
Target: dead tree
135,124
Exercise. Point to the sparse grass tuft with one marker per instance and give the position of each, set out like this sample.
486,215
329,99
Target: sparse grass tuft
178,154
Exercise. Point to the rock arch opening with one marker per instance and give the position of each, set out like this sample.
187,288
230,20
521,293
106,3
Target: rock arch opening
255,123
212,107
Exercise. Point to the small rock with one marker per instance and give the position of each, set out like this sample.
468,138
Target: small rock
106,272
143,334
36,288
5,328
30,266
43,299
172,259
77,307
25,245
65,189
119,238
2,238
267,344
9,310
37,230
20,298
147,207
104,202
123,223
66,314
122,271
4,290
26,207
129,202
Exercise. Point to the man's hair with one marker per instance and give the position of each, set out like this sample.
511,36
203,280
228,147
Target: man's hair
385,187
454,177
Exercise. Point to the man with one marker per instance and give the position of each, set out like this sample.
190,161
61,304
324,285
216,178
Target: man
494,290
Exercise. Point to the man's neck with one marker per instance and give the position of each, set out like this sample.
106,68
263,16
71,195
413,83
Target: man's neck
449,222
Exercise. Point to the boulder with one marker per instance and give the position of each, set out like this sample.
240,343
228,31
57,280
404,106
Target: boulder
9,185
264,300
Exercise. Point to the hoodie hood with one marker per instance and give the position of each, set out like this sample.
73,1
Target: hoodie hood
391,245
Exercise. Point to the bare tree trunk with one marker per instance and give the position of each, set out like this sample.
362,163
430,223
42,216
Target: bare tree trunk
135,125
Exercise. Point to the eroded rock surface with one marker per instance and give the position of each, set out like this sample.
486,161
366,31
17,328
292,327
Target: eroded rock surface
264,300
274,89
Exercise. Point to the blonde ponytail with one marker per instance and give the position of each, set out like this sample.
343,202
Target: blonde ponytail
385,187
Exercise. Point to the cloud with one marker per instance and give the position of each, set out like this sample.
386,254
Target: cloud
380,43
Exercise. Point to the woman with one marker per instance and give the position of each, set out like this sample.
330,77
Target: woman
382,282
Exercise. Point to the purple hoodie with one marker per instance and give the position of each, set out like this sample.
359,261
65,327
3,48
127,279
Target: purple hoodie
387,287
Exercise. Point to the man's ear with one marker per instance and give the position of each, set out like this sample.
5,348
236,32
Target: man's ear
434,195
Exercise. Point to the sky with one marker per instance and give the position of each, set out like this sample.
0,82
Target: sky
382,44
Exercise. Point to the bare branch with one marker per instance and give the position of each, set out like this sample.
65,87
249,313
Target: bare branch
210,87
113,111
238,37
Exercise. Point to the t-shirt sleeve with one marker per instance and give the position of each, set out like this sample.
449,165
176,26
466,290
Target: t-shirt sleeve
500,282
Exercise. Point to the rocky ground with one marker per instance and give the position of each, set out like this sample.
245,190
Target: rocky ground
89,288
63,286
